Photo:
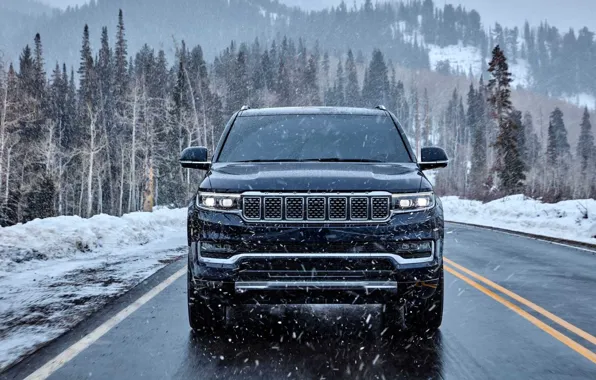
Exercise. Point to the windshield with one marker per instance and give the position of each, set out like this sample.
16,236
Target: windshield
353,138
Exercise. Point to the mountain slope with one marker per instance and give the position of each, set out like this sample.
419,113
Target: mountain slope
14,14
212,23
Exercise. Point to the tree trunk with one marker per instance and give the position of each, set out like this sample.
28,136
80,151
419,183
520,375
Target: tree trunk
133,154
91,161
194,108
99,195
81,194
149,186
3,136
121,181
7,182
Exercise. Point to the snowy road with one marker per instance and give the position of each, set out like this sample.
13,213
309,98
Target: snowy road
541,326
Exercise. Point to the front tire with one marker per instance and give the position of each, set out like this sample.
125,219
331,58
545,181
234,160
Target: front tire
427,315
418,315
205,313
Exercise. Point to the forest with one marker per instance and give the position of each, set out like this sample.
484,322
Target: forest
105,137
559,62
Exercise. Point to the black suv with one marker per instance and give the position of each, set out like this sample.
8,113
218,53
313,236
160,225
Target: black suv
315,205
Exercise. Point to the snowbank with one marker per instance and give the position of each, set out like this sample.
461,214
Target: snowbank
54,272
564,220
67,236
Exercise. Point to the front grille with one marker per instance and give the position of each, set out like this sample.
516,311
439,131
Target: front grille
316,208
251,206
379,208
294,208
273,208
359,208
338,208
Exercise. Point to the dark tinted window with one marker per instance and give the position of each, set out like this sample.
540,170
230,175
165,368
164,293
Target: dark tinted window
314,137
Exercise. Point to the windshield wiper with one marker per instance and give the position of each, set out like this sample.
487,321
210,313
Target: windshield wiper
334,159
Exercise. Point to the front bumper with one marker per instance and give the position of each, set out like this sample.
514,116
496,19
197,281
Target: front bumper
303,268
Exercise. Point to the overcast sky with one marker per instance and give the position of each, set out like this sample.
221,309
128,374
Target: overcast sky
561,13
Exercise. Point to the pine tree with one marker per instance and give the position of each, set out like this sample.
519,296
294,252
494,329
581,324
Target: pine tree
120,62
267,70
104,66
521,135
558,149
26,73
478,171
558,159
86,70
402,105
585,145
339,89
311,83
39,74
509,165
352,87
326,67
375,90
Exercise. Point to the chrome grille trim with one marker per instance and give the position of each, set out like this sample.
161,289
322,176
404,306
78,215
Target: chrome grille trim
317,207
395,258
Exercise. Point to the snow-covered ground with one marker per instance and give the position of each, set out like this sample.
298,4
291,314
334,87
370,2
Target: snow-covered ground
463,58
564,220
460,57
56,271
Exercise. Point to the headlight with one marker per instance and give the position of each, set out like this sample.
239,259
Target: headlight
412,202
219,201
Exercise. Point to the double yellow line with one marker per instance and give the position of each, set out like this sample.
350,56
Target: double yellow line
588,354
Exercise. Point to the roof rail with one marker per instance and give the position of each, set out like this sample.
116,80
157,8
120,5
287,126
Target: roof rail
244,108
381,107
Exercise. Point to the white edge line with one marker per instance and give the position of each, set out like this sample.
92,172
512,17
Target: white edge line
523,235
71,352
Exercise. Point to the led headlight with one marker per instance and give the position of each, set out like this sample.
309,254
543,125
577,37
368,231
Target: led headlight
412,202
219,201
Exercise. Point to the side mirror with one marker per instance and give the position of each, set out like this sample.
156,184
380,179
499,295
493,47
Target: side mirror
195,158
433,158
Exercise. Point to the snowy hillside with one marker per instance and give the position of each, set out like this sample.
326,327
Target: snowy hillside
465,58
581,100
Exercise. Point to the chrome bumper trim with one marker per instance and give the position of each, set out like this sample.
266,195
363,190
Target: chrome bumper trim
326,285
393,257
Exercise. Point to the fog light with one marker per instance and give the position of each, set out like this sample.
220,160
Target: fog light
216,248
418,249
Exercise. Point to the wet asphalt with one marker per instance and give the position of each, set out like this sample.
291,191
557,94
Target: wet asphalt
480,338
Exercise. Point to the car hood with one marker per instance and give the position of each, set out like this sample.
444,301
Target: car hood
315,177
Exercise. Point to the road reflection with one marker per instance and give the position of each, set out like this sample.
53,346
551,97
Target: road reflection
312,342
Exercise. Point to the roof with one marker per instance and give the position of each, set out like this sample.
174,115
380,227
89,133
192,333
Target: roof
313,111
